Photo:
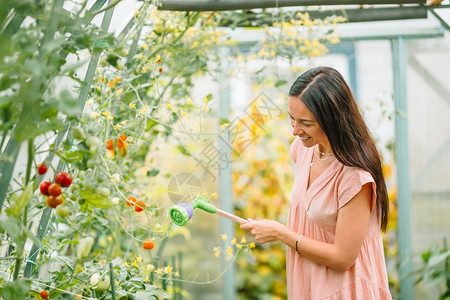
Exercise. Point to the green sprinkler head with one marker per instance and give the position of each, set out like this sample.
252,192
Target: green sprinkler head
181,213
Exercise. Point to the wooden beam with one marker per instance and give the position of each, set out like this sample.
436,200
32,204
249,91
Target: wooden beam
214,5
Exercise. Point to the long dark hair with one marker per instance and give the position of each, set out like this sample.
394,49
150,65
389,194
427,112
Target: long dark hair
326,94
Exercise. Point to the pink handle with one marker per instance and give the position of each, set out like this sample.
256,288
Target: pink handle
231,216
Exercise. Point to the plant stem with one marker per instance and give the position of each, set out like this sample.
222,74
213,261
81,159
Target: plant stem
19,257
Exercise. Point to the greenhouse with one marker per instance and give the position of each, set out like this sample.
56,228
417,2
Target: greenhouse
259,149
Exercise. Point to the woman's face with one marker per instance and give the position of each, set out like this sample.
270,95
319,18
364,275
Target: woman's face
305,126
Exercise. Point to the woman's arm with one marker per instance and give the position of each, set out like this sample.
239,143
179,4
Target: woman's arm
351,228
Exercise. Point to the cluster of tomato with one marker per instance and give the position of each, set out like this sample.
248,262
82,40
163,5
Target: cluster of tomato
121,145
138,205
53,190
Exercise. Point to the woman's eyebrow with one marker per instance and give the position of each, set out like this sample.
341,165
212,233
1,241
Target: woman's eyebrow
301,120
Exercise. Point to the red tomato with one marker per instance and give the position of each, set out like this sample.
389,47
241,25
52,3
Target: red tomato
148,244
109,145
131,201
54,189
42,169
63,179
43,187
53,201
139,206
44,294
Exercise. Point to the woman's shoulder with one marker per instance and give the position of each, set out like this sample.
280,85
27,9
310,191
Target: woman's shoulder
348,174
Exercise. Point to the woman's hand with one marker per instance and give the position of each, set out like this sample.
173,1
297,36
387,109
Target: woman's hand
265,231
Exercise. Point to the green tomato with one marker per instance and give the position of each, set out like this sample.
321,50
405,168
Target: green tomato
100,284
93,141
84,246
78,133
62,210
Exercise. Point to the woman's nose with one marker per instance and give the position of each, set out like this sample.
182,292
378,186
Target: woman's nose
296,130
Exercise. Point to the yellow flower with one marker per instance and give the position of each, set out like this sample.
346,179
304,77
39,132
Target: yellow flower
158,58
205,100
169,106
132,105
79,296
139,259
117,127
189,102
168,269
143,109
176,274
145,46
106,113
239,246
230,252
214,195
135,263
252,245
94,115
159,271
146,279
233,241
124,122
183,114
111,83
150,267
125,264
205,108
243,240
224,237
194,44
119,91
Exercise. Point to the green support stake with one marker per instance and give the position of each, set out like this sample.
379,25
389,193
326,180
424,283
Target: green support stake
399,55
225,191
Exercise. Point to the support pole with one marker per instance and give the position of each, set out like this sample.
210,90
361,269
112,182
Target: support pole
225,191
399,55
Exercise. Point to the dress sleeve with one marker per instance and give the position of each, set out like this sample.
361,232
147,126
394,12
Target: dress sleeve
294,149
352,184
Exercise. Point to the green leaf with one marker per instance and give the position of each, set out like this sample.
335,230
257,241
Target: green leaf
68,104
95,199
183,150
143,296
150,124
12,227
72,67
73,156
35,240
16,207
157,291
18,289
152,172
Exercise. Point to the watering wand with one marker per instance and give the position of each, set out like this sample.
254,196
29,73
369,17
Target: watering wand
182,212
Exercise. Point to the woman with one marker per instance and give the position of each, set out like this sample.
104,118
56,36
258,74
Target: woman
339,200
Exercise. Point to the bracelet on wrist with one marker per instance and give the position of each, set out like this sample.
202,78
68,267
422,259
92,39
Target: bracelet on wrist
297,241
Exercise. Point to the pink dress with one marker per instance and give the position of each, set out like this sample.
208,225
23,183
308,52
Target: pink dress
313,213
